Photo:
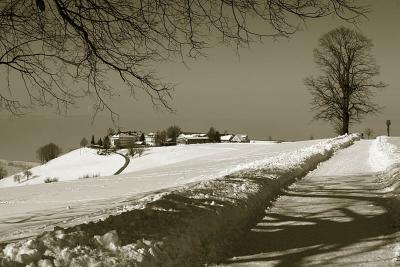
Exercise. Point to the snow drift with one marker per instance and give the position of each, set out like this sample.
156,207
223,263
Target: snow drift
186,227
383,154
385,158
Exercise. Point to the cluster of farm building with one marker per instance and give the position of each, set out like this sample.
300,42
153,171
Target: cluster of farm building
124,139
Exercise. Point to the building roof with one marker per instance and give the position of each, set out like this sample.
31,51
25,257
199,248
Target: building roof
242,136
119,135
226,137
193,136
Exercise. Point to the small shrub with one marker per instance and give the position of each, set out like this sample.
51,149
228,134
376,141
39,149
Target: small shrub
17,178
51,180
28,174
86,176
103,152
132,151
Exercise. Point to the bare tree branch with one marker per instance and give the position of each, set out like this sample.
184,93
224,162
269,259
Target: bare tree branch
61,50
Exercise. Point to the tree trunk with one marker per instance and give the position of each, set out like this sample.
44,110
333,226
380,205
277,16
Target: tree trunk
345,125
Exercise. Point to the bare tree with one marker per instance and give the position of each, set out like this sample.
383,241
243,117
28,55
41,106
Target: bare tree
173,132
343,93
369,132
48,152
55,51
388,123
161,138
84,142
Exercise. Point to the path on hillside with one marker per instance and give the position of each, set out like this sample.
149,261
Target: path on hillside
335,216
127,160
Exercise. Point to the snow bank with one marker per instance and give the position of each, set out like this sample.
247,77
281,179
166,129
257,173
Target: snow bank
383,154
187,227
385,158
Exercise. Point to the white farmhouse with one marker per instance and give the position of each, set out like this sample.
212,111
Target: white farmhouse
150,139
124,139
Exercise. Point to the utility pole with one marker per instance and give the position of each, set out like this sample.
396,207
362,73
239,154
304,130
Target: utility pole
388,123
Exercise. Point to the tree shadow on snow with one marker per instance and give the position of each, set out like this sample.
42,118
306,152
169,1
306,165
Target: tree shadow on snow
288,234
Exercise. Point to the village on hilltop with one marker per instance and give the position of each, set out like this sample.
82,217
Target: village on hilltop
126,139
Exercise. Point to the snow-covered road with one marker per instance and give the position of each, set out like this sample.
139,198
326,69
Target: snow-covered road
25,210
335,216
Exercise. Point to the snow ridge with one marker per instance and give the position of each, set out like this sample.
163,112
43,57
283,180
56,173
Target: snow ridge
187,227
383,154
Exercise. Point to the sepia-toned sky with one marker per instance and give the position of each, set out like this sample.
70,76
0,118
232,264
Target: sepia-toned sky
260,92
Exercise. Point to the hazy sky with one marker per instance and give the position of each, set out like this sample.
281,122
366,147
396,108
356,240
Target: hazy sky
260,93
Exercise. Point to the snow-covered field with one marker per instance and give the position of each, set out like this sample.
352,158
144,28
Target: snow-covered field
70,166
258,169
39,206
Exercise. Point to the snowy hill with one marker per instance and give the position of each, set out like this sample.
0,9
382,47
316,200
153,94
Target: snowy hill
85,161
37,208
71,166
41,205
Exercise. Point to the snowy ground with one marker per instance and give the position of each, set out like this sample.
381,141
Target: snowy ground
192,216
33,208
71,166
335,216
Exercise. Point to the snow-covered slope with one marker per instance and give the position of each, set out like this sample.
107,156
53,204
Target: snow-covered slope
192,221
70,166
40,205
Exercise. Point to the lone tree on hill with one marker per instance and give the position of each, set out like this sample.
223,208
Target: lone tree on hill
84,142
52,44
48,152
343,93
